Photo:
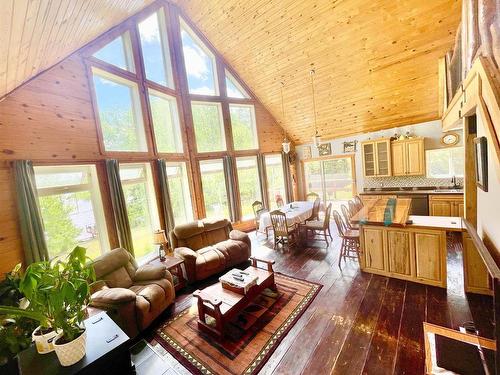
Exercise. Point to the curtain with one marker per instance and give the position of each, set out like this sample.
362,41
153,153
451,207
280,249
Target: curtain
30,217
287,176
119,205
262,178
230,183
165,196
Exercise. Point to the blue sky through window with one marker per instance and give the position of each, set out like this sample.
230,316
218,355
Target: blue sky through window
115,53
200,66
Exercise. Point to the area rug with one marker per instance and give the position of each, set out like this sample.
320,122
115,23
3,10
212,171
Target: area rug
245,349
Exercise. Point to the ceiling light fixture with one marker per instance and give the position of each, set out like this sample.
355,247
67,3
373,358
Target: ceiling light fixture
286,142
316,138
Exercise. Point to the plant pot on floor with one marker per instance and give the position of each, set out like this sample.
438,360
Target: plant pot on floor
71,352
44,340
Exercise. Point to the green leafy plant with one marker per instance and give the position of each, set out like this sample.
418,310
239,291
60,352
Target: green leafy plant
58,292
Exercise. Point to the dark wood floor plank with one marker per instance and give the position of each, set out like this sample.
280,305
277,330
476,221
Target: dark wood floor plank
410,354
343,308
384,343
437,307
358,341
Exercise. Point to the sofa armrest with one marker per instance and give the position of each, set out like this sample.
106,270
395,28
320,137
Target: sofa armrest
112,297
186,253
238,235
150,272
189,256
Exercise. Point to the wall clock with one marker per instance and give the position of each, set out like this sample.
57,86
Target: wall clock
449,139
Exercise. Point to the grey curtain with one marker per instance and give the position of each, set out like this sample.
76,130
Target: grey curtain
165,196
230,183
287,176
30,217
119,205
262,178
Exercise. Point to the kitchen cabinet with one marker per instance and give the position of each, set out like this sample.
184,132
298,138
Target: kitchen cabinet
408,157
377,158
446,205
476,276
414,254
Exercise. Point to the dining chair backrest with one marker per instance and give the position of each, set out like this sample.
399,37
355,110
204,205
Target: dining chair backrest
341,228
315,209
346,214
328,212
257,207
278,220
352,207
279,202
358,202
312,196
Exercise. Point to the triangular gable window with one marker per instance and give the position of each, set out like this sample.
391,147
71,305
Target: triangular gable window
118,52
234,88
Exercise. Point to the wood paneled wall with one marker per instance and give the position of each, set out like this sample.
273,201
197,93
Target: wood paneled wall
51,120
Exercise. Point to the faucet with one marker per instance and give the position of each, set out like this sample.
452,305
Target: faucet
454,182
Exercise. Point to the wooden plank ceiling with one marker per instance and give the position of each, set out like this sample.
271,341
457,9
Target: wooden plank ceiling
375,60
36,34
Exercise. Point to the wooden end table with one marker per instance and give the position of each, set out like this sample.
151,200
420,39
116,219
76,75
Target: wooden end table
223,305
174,265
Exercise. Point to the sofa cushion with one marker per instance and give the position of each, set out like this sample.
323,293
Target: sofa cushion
116,268
112,296
153,293
150,272
216,230
119,278
189,235
209,261
234,251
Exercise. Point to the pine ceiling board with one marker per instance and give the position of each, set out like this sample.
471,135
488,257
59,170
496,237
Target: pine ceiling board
36,34
375,60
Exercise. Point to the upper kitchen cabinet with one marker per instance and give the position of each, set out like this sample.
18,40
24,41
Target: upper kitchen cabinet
408,157
377,158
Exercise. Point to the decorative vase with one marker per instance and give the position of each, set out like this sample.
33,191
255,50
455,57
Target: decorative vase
71,352
44,342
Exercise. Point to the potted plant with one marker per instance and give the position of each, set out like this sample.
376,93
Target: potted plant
58,293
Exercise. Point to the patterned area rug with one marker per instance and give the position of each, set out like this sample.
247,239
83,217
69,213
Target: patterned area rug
250,340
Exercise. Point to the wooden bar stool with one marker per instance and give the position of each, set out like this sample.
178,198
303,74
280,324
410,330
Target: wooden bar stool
350,239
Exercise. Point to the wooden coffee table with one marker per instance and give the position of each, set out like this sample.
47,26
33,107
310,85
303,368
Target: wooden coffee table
223,305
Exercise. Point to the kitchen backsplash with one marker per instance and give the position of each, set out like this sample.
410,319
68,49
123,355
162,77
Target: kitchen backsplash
408,181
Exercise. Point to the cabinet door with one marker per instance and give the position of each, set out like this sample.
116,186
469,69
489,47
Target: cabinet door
398,158
476,277
430,257
415,159
374,248
440,208
369,159
400,253
460,209
383,158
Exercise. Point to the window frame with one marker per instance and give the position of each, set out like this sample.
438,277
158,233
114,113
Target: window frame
450,162
266,183
239,203
253,117
221,123
202,213
93,186
189,185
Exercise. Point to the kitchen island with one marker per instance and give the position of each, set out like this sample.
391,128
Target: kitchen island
408,247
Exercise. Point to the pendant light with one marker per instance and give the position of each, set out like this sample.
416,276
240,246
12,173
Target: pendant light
286,142
316,138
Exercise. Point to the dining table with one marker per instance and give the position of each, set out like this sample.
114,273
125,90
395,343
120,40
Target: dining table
296,212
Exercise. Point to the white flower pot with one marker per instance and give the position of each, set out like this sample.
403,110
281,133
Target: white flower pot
71,352
44,343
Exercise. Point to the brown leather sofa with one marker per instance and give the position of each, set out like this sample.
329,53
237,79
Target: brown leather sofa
134,296
209,247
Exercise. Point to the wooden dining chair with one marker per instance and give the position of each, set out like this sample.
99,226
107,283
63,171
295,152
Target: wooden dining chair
312,196
315,210
353,208
283,233
319,227
349,247
258,209
358,202
346,213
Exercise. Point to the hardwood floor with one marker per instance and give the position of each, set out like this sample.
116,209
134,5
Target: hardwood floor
361,323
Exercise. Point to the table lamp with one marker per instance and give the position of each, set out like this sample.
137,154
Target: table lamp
161,239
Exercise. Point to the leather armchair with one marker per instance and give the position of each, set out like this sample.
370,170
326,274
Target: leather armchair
134,296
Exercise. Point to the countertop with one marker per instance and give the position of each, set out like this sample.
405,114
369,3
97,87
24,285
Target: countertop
413,192
451,224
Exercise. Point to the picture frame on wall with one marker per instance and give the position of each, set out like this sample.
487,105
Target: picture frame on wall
350,146
325,149
481,162
307,154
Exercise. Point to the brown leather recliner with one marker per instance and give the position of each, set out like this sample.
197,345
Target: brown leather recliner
209,247
133,295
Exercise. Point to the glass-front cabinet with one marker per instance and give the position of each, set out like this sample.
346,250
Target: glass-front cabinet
377,158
